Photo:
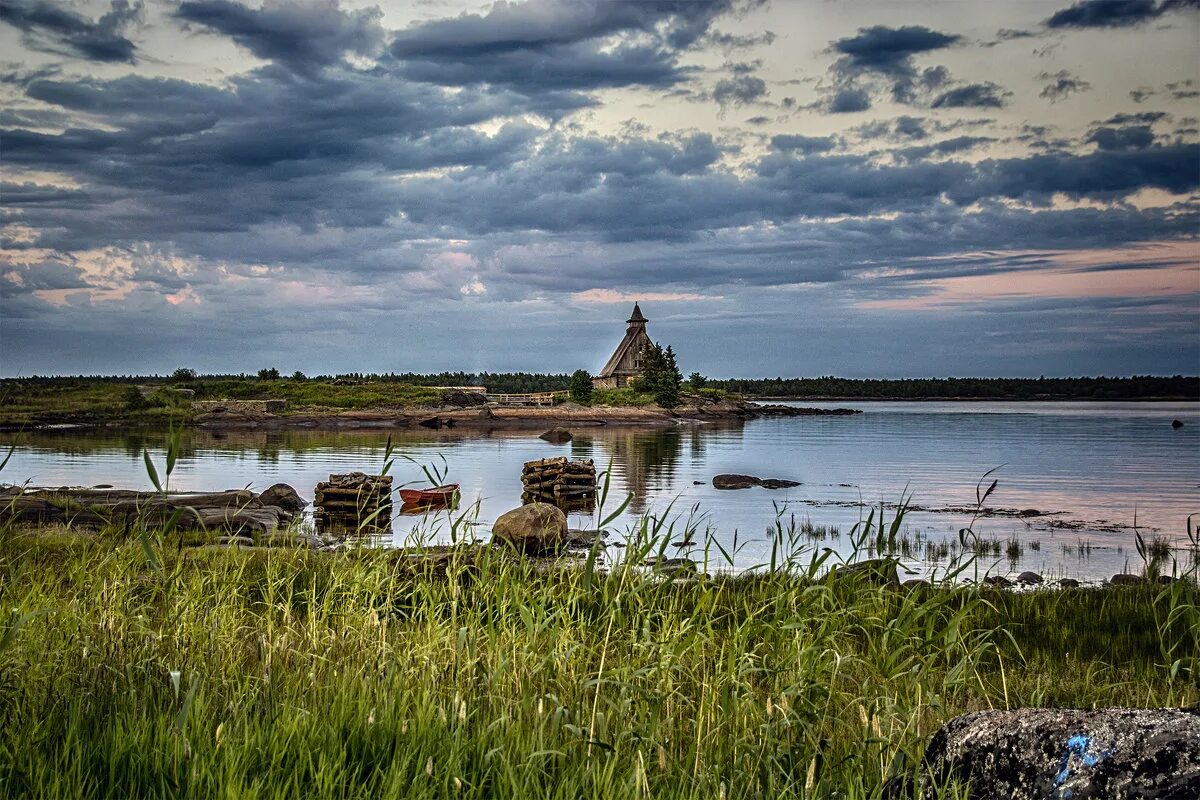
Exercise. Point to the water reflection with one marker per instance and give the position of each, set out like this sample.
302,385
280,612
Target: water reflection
1093,464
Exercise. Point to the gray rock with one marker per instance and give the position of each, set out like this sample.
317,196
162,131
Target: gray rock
282,496
235,541
777,483
557,436
879,571
672,565
534,528
915,583
1126,579
1029,577
1036,753
998,581
734,481
1069,583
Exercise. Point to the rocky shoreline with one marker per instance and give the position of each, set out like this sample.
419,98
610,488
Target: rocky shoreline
484,417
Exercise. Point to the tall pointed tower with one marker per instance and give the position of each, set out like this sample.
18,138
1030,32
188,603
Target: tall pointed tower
626,361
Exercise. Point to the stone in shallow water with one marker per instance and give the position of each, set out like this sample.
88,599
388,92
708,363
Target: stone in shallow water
1035,753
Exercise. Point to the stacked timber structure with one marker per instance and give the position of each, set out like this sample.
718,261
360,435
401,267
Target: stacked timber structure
625,364
559,481
354,501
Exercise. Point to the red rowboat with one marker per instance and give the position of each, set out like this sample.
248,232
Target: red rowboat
427,497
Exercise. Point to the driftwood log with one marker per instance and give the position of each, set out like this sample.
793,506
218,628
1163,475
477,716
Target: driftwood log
236,511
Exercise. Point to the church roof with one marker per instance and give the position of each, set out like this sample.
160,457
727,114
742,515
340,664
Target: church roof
626,343
636,316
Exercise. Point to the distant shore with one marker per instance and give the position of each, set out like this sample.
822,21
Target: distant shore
1064,399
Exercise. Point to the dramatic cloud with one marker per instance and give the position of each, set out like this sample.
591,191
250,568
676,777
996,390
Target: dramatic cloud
547,160
1062,84
303,34
974,95
1114,13
53,28
561,44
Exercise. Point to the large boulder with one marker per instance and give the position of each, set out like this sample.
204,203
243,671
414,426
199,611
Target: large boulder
282,496
532,529
1035,753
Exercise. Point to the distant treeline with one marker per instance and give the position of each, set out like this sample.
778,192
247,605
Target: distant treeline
504,382
1101,388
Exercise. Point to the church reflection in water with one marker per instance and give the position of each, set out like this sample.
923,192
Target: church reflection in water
644,461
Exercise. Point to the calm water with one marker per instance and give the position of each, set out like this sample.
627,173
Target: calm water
1099,466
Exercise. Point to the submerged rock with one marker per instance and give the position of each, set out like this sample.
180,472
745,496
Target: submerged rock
998,580
1069,583
734,481
1029,577
533,529
1126,579
1176,424
557,436
1035,753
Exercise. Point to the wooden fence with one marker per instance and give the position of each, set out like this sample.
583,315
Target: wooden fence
527,399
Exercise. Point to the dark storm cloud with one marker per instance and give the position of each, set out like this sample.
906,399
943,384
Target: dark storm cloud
1132,137
973,95
884,58
558,44
303,34
56,29
803,144
888,50
1179,90
1062,84
1114,13
739,90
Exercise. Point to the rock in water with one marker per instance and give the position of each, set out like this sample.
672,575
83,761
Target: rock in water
532,529
731,481
1029,577
557,436
1176,424
282,496
777,483
1035,753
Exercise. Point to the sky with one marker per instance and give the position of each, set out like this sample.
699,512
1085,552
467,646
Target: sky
788,187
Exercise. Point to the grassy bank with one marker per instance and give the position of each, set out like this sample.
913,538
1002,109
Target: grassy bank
86,401
211,672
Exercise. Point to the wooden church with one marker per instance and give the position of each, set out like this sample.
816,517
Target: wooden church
626,361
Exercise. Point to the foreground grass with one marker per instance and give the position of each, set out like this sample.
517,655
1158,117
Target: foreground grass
219,673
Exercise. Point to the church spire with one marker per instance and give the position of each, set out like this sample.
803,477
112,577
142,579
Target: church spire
636,318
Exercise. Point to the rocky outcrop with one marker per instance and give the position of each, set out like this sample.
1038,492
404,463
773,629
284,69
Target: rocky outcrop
795,411
1036,753
532,529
